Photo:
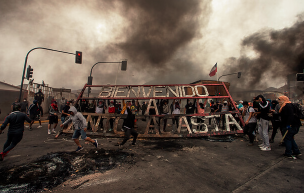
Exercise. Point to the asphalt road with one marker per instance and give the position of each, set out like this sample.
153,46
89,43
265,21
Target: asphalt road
154,165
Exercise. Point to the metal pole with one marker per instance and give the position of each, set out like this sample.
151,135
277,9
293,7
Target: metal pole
25,62
92,71
116,74
226,75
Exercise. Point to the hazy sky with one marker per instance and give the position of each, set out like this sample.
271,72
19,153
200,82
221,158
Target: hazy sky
164,41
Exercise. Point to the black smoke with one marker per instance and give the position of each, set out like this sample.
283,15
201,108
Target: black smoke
278,54
159,29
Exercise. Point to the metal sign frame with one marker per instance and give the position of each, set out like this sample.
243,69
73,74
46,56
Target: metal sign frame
156,92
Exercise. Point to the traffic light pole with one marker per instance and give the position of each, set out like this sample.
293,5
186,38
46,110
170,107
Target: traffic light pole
21,87
91,78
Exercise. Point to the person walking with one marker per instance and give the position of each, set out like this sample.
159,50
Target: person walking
250,121
80,125
33,112
15,131
291,124
263,110
53,117
128,127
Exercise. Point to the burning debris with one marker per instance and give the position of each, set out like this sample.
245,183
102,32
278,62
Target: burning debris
53,169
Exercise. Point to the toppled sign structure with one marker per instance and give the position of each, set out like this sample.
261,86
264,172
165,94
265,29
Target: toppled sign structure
153,93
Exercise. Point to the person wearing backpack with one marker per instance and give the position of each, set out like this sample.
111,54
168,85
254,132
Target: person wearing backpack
291,124
250,121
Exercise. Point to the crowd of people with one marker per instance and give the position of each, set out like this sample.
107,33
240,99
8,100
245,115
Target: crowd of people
257,114
283,116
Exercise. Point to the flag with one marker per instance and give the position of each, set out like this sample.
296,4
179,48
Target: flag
213,70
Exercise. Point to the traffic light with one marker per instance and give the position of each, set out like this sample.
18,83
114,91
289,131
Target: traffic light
300,76
29,72
89,89
78,57
90,80
123,65
239,74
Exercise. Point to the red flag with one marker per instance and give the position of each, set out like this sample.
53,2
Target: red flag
213,70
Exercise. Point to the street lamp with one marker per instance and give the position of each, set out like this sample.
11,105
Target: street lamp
90,78
238,75
30,70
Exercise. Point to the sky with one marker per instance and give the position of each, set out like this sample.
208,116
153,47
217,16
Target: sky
164,42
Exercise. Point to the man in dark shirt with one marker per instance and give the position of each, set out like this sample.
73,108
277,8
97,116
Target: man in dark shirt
39,96
14,104
291,124
64,115
24,105
15,132
189,109
128,127
65,111
33,112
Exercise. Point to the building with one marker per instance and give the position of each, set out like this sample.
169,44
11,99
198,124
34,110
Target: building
8,94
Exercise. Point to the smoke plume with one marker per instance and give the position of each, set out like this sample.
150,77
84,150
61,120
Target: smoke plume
277,53
157,30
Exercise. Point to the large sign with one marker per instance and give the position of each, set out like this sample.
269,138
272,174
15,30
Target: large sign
154,125
159,92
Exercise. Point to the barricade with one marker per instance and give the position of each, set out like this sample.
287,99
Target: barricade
153,125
